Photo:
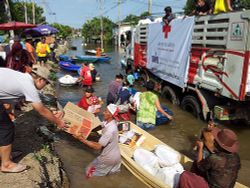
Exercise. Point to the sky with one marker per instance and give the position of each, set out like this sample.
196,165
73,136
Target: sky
75,12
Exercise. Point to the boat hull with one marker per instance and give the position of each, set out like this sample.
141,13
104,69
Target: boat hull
69,66
149,144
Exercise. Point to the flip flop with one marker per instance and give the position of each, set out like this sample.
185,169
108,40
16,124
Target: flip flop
17,169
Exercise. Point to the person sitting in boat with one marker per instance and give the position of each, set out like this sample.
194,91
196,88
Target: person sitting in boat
85,75
88,101
221,167
113,89
149,104
109,161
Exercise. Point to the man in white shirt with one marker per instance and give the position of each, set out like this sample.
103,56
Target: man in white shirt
14,86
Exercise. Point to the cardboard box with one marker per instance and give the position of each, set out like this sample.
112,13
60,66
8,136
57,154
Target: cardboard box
79,120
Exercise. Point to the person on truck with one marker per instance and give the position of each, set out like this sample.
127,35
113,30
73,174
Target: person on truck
169,16
149,104
202,7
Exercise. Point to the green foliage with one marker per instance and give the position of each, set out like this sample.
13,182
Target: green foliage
92,29
133,19
245,4
64,30
189,7
17,12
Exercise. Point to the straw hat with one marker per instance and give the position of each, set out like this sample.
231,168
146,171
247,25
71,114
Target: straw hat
42,72
226,139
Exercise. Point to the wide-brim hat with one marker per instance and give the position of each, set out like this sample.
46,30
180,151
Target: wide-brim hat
42,72
226,139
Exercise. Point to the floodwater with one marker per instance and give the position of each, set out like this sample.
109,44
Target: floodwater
180,134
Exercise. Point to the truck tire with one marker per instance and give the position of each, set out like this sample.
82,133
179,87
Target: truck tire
169,93
190,104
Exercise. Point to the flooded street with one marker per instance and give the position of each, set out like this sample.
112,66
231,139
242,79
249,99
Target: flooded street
179,134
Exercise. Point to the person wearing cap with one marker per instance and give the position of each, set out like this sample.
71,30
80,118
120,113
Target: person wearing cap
222,166
113,89
169,16
16,86
149,104
30,49
109,161
87,100
93,72
42,51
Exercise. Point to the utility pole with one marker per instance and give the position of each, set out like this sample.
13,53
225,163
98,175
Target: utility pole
101,12
119,23
25,12
33,12
150,7
9,18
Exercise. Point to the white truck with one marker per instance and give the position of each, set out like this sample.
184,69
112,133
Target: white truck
200,63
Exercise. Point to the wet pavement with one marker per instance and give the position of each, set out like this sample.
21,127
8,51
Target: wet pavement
179,134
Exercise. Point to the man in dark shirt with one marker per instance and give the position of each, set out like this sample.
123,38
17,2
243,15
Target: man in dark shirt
202,7
222,166
113,89
168,15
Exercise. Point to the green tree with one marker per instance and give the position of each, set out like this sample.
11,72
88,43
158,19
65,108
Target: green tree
133,19
64,30
245,4
17,12
189,7
92,29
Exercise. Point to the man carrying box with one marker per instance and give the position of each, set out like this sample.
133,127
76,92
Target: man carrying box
14,86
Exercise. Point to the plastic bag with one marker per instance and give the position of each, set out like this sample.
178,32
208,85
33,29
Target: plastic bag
167,156
147,160
169,175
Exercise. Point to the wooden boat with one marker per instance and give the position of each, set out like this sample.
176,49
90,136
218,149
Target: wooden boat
149,144
66,65
93,59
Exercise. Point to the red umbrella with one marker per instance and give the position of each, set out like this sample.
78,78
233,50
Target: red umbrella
15,25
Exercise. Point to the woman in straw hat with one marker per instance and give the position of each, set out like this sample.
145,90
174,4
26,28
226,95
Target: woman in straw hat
222,166
109,161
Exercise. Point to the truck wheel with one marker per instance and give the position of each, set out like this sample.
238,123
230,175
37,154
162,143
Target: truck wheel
190,104
168,93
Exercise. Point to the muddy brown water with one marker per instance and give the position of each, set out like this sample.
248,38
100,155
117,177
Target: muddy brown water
179,134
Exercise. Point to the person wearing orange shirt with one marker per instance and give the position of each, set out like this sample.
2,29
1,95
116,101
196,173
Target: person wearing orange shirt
30,49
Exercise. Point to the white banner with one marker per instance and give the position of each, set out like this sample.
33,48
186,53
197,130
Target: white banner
169,48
